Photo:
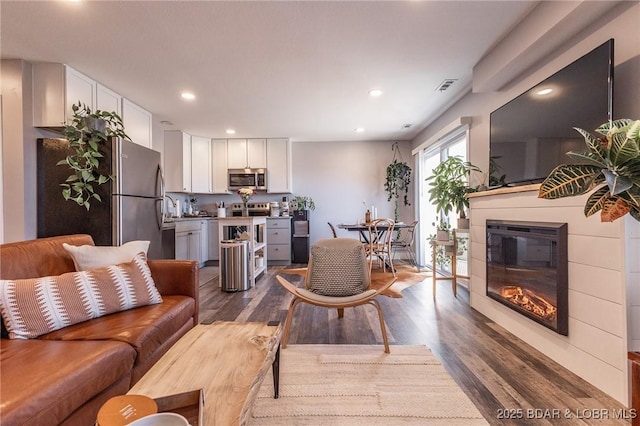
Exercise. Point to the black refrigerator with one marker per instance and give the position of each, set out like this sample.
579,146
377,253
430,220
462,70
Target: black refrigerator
300,237
131,206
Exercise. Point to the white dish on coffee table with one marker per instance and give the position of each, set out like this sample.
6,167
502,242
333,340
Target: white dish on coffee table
161,419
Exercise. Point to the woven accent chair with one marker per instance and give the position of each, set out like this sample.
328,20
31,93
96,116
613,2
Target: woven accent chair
380,235
337,276
406,243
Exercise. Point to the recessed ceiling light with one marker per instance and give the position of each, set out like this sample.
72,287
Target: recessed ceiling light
188,96
543,92
375,93
230,132
360,129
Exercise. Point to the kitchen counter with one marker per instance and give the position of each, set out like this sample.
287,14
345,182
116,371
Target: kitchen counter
183,218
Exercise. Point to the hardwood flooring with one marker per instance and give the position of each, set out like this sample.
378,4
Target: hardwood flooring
510,382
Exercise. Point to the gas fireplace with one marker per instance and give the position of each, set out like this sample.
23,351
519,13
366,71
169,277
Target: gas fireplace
527,270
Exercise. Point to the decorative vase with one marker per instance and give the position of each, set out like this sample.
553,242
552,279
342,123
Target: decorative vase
245,210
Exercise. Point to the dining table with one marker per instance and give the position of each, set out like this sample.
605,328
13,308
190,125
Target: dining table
363,229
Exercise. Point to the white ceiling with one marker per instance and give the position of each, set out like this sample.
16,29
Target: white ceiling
299,69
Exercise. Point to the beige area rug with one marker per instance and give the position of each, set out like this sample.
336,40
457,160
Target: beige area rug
361,385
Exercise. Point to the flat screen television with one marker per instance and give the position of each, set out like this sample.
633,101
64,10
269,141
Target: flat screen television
531,134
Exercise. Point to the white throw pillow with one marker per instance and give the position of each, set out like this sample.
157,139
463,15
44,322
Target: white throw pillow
90,257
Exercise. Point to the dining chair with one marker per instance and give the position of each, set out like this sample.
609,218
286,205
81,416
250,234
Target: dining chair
405,243
380,235
337,276
333,230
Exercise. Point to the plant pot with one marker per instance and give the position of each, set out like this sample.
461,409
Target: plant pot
96,124
442,235
463,223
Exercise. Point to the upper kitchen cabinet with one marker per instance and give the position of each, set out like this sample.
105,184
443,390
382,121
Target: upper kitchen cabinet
279,166
56,87
246,153
108,100
177,161
219,181
201,181
137,123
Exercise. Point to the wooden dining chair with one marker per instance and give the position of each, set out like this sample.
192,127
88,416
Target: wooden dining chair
333,230
337,277
380,235
405,242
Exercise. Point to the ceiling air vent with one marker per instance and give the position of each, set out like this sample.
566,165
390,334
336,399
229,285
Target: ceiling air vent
446,84
406,126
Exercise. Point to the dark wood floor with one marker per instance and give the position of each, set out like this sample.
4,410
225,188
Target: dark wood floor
510,382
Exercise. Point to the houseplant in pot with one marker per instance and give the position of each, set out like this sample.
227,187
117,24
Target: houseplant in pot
449,187
398,180
609,169
86,134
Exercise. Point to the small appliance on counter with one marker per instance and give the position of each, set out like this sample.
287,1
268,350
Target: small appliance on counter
274,209
284,207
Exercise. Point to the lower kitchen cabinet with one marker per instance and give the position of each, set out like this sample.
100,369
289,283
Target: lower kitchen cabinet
188,240
279,240
214,240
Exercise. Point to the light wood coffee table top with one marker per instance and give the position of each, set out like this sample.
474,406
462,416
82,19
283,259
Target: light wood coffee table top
229,360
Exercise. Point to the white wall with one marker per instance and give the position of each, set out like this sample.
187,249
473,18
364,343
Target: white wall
339,176
19,152
604,299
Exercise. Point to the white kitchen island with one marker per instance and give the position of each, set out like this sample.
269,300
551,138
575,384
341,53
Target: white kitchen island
255,226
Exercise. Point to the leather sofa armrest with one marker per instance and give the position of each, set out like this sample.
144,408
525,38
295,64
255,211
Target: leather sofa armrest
177,277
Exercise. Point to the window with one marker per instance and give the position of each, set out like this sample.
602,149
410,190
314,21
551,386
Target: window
453,144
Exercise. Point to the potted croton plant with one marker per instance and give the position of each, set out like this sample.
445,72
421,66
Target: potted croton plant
609,169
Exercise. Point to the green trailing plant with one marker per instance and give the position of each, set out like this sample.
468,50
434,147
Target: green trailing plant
609,169
86,133
449,187
398,180
303,203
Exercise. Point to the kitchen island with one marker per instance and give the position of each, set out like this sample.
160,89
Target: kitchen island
255,226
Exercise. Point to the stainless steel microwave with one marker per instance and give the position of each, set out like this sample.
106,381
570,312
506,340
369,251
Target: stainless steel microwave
247,178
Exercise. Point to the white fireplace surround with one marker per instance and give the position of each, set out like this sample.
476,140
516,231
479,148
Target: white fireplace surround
604,286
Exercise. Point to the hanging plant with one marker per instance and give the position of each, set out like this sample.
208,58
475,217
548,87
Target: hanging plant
398,180
87,132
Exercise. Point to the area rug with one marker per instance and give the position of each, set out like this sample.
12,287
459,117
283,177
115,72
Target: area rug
360,384
406,276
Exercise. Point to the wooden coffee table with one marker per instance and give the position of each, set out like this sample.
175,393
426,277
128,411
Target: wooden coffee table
228,360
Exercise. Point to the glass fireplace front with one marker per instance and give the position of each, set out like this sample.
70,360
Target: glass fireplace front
527,270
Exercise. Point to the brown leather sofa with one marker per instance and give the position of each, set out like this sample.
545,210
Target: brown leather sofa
65,376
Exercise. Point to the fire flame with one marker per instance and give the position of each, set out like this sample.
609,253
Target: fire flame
529,301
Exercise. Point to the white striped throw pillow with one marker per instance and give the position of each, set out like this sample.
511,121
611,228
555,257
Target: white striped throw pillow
35,306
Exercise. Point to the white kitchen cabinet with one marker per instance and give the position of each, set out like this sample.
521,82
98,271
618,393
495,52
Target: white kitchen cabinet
201,181
56,87
219,176
246,153
213,240
137,123
108,100
177,161
188,240
279,240
279,165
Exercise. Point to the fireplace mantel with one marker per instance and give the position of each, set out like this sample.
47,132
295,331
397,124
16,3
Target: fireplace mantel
505,190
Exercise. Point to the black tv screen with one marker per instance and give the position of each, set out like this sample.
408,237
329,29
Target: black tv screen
531,134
